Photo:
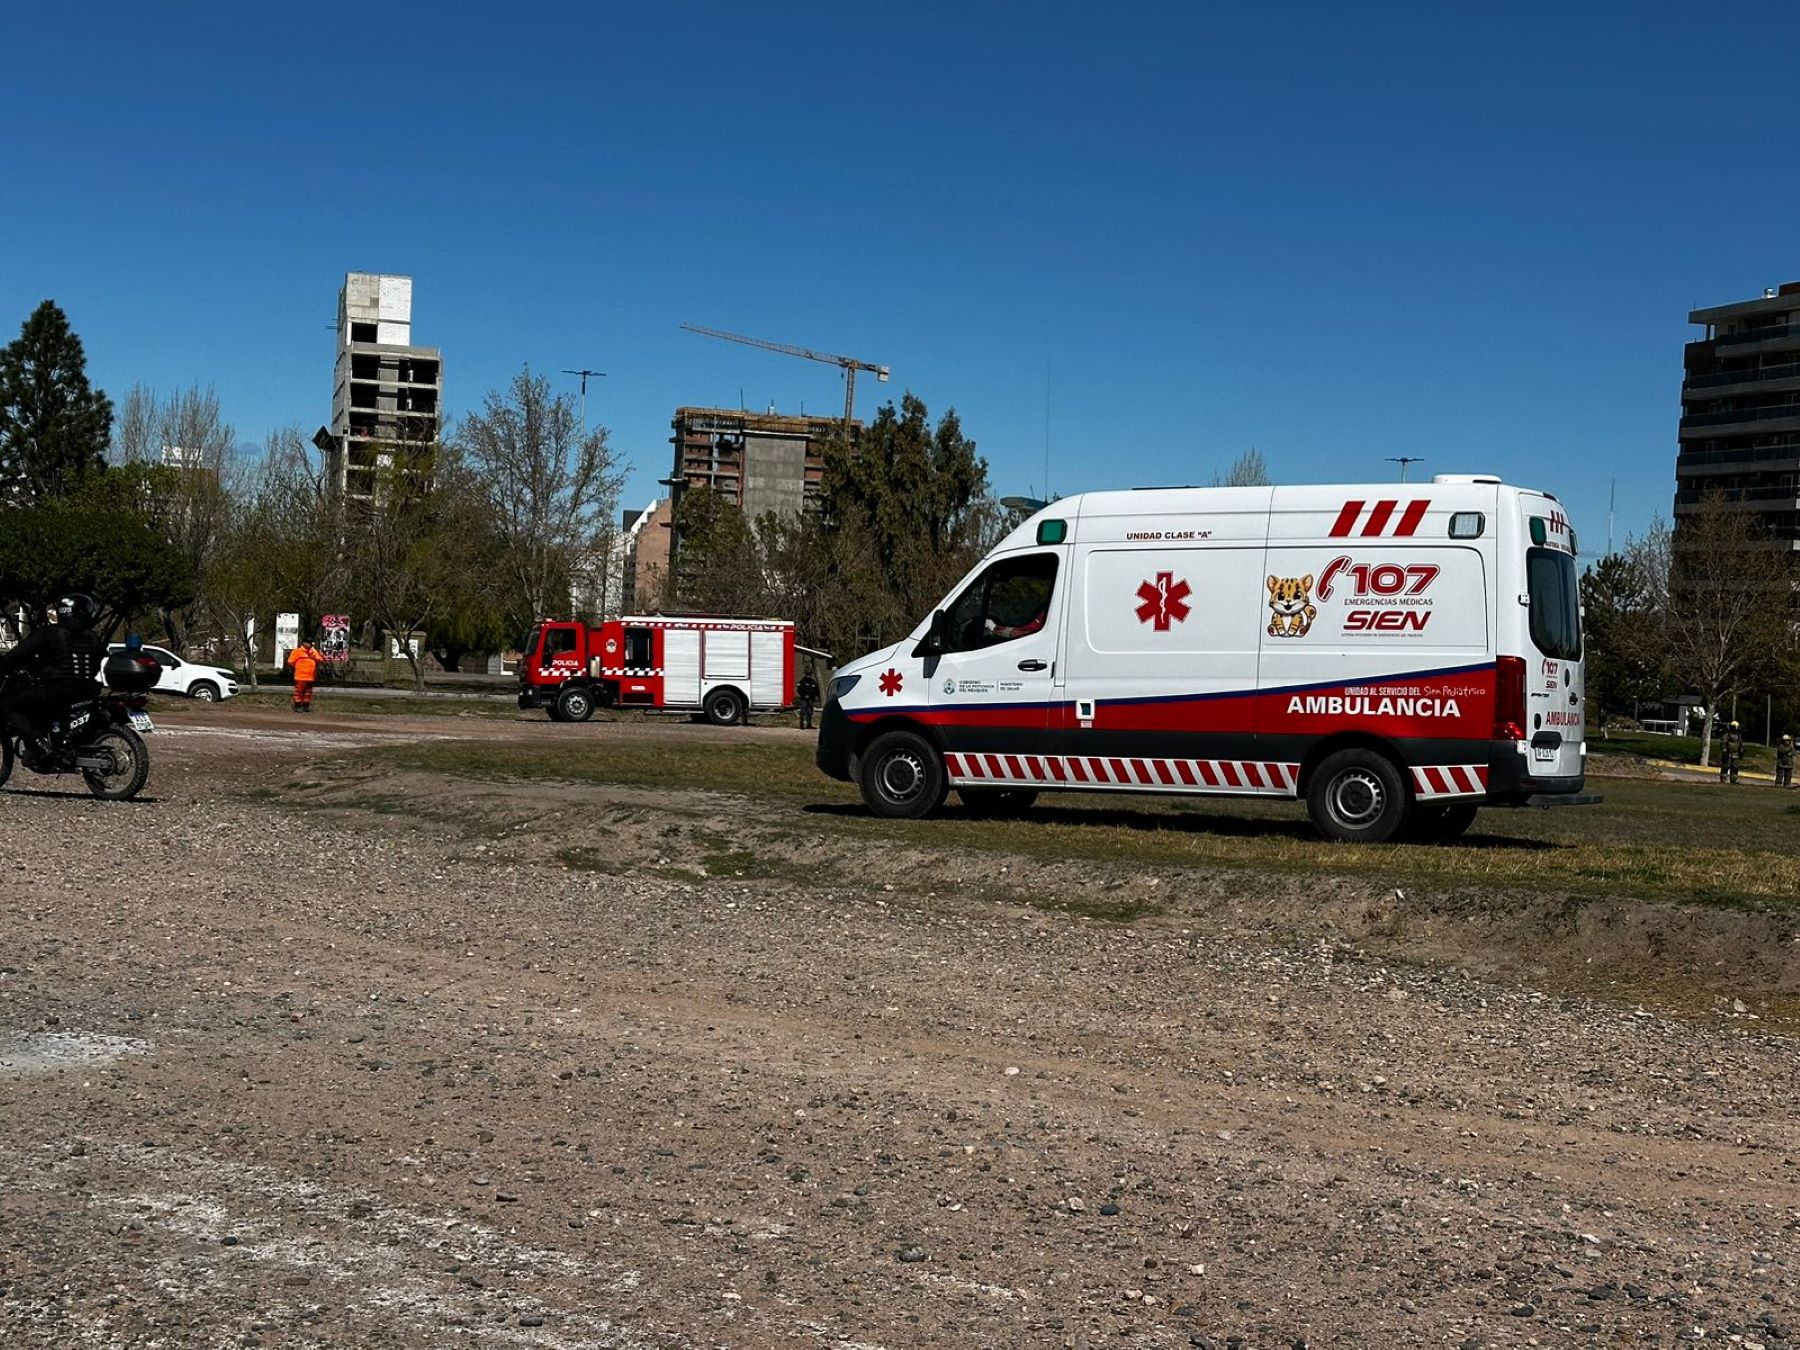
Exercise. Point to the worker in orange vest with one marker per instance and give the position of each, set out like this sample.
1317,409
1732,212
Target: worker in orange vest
304,662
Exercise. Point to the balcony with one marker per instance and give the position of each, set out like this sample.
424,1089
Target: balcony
1785,412
1762,498
1780,330
1761,456
1790,371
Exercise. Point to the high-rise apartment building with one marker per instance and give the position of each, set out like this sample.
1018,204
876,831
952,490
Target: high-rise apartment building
387,403
1740,410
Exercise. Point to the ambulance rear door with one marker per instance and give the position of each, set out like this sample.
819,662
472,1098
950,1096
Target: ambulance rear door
1550,600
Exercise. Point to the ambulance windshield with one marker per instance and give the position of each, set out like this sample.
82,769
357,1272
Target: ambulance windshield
1555,603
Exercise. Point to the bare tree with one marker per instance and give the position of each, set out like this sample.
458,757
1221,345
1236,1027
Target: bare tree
135,430
1249,469
552,490
1722,592
410,552
179,456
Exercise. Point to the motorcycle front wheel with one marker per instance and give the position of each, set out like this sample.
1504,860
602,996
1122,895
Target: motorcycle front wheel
129,764
6,759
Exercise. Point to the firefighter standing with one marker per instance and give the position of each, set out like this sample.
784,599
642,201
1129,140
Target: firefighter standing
808,692
1784,762
1731,754
304,662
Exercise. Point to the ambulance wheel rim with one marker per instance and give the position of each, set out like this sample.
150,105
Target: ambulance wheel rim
1356,799
902,776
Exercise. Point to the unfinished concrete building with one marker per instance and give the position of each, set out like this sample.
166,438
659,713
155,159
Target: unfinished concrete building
387,403
759,462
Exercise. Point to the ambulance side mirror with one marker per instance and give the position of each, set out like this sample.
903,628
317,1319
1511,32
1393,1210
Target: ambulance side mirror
932,644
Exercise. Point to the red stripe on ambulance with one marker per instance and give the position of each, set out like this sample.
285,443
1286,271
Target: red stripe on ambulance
1153,774
1346,520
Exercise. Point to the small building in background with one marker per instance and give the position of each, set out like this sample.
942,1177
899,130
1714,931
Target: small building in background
387,400
647,536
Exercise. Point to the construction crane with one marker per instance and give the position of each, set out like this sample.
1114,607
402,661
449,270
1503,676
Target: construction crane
849,364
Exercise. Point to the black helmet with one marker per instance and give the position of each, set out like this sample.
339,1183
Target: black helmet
76,610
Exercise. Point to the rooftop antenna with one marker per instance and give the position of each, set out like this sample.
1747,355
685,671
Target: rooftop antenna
597,374
1404,461
1047,496
1612,500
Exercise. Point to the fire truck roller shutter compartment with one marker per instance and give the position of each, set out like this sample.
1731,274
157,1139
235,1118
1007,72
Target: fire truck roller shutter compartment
767,688
727,656
681,667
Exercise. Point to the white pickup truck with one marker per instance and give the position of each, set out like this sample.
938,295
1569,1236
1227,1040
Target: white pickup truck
208,684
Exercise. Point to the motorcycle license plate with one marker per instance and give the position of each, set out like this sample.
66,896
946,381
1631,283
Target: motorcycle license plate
141,722
1544,754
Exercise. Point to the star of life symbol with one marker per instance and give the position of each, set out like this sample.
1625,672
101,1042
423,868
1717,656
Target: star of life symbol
891,682
1165,601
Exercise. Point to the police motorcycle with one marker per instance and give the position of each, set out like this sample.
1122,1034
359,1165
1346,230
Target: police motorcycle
99,738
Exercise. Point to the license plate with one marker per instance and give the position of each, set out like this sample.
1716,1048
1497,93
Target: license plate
1544,754
141,722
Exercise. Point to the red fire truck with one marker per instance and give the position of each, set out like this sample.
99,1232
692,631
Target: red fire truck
723,667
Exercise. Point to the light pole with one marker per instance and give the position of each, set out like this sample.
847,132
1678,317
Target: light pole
1403,461
597,374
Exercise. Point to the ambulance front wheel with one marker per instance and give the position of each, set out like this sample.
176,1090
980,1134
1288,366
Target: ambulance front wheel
1357,797
902,776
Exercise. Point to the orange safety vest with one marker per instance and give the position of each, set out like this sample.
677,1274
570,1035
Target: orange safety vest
305,660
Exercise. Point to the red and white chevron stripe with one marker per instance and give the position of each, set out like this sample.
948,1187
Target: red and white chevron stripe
1385,519
1433,781
1111,771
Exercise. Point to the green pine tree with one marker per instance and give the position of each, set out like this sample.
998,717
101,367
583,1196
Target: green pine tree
54,425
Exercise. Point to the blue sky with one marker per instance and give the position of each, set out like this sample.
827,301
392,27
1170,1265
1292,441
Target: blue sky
1334,232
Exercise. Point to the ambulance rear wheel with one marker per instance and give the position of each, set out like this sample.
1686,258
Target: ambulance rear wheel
724,707
902,776
994,803
1357,797
574,704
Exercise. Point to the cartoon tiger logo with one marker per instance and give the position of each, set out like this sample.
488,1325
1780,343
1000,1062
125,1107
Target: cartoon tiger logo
1291,611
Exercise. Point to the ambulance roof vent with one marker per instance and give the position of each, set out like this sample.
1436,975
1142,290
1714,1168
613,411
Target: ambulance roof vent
1466,478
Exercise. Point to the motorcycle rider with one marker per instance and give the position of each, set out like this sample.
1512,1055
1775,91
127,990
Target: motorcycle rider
65,655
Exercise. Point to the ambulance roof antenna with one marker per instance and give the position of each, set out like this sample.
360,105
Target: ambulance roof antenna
1403,461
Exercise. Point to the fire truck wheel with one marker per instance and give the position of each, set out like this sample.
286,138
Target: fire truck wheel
1357,797
575,704
992,803
724,707
1427,824
902,776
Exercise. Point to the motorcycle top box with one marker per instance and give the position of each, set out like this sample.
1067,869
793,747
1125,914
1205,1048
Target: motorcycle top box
131,674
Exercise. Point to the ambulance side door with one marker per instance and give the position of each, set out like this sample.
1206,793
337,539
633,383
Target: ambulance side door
988,687
1162,649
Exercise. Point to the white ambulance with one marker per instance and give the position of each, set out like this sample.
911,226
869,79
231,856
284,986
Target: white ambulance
1395,656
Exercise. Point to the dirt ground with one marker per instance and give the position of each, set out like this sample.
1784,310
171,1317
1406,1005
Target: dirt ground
299,1054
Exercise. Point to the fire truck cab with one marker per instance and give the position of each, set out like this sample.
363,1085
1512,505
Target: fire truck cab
725,668
1395,656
